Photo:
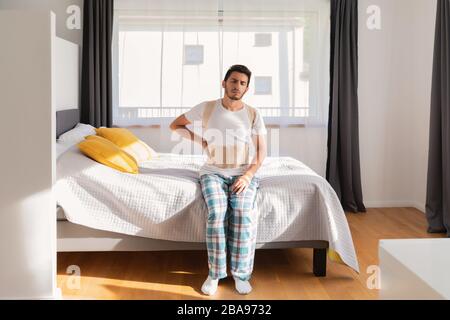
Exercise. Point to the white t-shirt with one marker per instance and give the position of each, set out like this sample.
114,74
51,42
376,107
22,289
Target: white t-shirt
229,136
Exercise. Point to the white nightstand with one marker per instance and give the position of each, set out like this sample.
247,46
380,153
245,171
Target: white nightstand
415,269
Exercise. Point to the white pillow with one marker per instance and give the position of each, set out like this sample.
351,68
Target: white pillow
76,134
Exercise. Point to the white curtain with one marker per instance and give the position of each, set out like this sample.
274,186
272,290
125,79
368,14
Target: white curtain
298,64
170,55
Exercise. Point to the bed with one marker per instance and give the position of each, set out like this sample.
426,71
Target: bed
162,208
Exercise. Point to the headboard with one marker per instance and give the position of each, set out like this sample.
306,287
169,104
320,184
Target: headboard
66,120
66,70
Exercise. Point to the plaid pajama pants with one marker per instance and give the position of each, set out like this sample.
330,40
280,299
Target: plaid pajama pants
231,225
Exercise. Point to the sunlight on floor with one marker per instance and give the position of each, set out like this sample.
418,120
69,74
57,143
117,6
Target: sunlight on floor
105,288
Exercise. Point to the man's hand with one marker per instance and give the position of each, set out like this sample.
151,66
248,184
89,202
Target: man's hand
240,184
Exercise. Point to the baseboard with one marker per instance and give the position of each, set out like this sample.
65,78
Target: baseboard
395,204
387,204
419,206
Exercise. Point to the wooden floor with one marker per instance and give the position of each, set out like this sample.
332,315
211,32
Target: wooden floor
278,274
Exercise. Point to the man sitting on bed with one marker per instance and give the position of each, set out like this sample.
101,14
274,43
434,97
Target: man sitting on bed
231,129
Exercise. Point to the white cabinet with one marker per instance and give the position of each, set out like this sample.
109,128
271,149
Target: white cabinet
415,269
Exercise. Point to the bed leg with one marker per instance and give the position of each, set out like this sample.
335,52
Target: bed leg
320,262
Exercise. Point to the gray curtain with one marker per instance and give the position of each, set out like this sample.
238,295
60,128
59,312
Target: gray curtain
96,84
438,181
343,165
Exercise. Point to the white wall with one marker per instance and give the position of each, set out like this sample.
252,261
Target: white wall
395,65
423,34
59,7
27,128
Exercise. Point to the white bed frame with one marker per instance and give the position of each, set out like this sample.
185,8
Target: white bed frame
75,238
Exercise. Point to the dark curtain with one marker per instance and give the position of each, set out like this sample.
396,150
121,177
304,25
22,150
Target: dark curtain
96,83
343,165
438,180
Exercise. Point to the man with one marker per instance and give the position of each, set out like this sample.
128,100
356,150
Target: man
228,181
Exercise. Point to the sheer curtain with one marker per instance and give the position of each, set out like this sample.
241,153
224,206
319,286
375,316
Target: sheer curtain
298,68
171,55
160,66
286,41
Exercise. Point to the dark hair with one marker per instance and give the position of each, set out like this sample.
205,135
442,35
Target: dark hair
241,69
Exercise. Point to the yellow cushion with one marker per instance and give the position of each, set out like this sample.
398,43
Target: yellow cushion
107,153
128,142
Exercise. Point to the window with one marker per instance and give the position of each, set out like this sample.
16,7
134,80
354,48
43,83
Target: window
167,61
193,55
263,85
263,39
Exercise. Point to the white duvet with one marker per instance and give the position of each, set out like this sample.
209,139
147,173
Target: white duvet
164,201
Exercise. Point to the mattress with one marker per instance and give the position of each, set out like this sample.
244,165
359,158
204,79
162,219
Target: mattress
164,201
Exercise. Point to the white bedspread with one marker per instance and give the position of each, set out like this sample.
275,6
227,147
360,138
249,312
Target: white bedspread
164,201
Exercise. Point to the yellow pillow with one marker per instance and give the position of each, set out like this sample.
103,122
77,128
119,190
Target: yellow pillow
128,142
107,153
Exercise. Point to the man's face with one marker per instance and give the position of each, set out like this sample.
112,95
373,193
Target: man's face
236,85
